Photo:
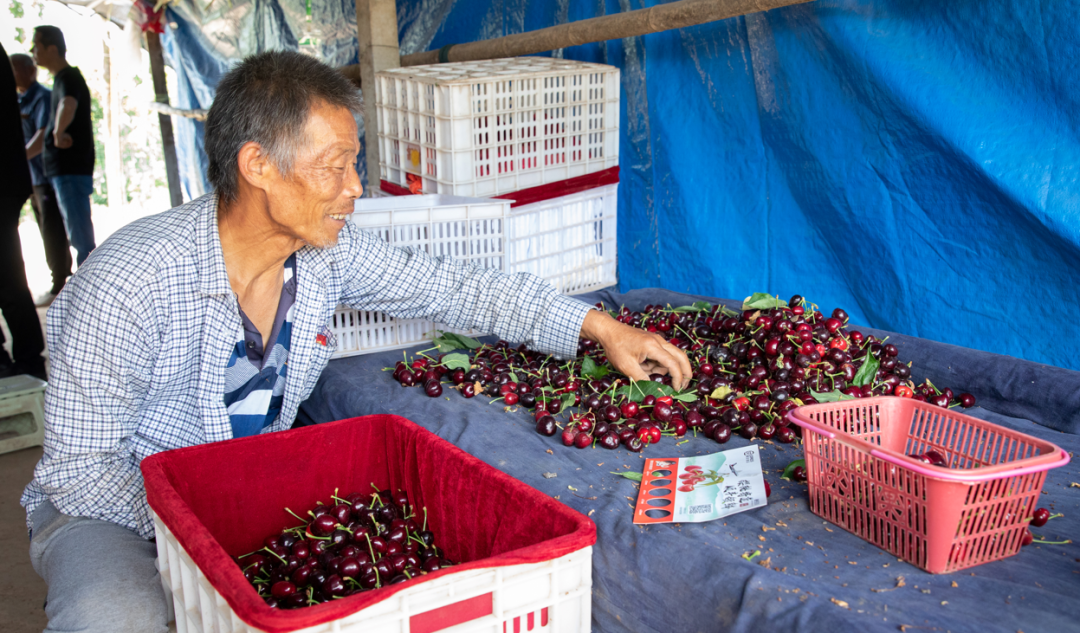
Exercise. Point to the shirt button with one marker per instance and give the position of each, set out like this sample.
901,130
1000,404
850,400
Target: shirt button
251,344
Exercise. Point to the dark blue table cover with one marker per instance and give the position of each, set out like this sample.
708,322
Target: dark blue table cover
692,577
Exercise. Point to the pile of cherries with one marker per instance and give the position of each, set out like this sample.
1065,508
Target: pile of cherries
363,542
750,369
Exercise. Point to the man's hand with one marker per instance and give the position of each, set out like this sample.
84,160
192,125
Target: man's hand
636,353
62,141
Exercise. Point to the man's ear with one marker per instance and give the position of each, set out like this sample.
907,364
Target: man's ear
255,167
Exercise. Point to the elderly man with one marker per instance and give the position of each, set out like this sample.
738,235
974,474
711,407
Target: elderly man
177,330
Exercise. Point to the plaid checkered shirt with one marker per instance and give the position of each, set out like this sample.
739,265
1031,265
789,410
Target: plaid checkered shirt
140,337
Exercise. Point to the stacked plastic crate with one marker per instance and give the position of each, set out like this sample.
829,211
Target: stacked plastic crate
469,229
542,132
516,161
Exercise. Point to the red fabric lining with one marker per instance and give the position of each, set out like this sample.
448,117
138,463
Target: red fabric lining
540,193
222,499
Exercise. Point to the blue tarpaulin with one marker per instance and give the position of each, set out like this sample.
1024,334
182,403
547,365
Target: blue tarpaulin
914,162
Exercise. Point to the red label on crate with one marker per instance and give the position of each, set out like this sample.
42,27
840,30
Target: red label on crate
451,614
609,176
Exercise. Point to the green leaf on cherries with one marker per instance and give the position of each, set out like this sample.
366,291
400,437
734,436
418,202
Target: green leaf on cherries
629,474
831,396
456,361
593,371
568,399
789,472
638,389
686,396
762,301
720,392
448,342
513,377
697,306
867,372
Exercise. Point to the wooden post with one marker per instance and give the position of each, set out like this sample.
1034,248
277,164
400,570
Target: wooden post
161,92
114,169
377,30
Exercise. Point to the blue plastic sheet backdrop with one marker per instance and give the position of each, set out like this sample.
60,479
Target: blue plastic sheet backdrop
912,161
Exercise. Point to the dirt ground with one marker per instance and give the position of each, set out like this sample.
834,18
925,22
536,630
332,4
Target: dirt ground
22,591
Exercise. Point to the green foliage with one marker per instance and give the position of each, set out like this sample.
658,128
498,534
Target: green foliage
867,372
762,301
789,471
456,361
97,116
448,342
17,11
831,396
591,370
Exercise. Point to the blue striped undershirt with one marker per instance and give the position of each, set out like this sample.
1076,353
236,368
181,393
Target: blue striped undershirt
255,377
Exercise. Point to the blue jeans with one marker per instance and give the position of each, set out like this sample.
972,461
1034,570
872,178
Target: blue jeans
73,194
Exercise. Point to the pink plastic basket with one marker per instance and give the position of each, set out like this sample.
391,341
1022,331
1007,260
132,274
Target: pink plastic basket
939,519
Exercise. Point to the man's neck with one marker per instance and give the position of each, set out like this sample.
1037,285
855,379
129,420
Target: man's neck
59,66
250,243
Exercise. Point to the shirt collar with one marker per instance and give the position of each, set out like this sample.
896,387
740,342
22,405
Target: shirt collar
213,278
30,93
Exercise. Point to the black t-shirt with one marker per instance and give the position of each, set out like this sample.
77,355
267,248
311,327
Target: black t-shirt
77,160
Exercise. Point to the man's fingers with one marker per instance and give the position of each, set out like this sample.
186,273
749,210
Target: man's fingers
636,372
665,357
684,363
675,360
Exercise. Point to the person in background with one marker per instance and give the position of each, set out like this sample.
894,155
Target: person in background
17,305
67,146
34,100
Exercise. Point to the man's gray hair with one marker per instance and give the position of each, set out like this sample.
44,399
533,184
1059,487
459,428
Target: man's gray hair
23,62
266,99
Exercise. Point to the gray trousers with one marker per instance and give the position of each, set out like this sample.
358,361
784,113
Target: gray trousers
102,577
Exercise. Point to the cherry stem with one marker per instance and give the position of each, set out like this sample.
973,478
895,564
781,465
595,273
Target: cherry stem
425,519
270,551
308,534
1065,542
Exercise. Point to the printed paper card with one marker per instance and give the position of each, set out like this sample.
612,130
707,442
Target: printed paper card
700,488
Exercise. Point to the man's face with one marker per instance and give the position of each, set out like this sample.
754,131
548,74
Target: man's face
43,55
313,204
24,76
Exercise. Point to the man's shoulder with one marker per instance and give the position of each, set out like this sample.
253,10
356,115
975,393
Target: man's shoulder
148,246
69,80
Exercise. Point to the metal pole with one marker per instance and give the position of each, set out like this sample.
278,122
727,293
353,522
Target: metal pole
377,30
161,92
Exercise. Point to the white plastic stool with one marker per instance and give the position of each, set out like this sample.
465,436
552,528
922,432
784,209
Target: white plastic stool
22,413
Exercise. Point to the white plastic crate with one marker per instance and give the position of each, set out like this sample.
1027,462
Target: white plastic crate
551,596
569,241
469,229
492,127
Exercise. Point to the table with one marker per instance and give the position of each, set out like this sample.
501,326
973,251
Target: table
693,577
